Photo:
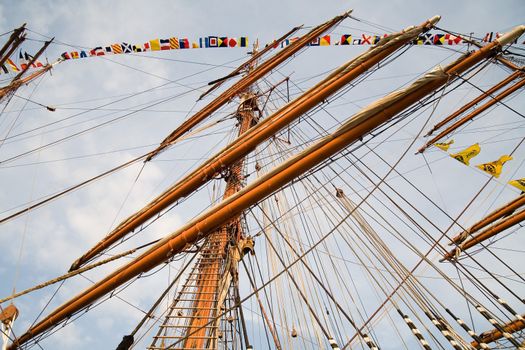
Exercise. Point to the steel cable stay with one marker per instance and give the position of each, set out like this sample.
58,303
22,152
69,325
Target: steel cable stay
173,189
434,204
479,283
46,199
315,277
304,225
82,313
281,273
122,98
89,129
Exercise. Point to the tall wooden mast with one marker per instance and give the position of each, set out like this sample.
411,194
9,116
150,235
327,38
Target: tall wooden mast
226,236
195,324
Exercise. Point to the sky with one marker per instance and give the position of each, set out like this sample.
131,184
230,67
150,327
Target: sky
163,89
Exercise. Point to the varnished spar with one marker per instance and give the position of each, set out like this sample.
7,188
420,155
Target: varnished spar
505,93
16,83
15,39
12,44
490,232
496,334
499,213
255,57
354,128
475,101
267,128
206,305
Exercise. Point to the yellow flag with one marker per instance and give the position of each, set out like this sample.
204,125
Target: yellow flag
444,145
519,184
155,45
466,155
494,168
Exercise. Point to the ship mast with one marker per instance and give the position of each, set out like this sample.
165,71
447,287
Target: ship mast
206,289
15,39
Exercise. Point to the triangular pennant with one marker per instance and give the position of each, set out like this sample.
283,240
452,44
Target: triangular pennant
13,66
494,168
467,154
518,183
444,145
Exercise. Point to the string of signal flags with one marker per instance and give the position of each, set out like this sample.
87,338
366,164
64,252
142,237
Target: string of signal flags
493,168
213,41
175,43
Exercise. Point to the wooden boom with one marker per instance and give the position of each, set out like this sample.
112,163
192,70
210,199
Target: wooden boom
495,334
477,111
475,101
488,233
503,211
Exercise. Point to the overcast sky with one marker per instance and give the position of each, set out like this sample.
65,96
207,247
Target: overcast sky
43,245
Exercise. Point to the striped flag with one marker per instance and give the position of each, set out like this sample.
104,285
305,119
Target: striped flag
117,49
165,44
174,43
